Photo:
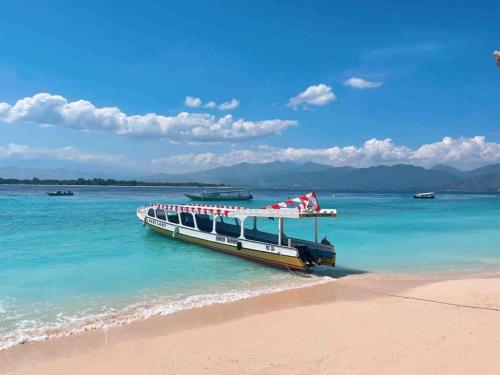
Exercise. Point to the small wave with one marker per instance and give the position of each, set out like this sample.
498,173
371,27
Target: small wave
30,330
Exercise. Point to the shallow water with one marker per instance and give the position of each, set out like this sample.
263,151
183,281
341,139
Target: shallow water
67,263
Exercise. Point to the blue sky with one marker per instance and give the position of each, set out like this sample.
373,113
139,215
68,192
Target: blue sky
381,83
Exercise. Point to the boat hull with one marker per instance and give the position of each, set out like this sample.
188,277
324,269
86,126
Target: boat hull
271,259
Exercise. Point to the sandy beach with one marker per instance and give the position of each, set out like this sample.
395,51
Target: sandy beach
356,325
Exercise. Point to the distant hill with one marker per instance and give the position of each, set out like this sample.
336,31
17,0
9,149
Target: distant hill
397,177
237,174
486,183
312,175
450,170
486,170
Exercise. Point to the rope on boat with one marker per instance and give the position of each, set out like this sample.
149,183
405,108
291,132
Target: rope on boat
289,270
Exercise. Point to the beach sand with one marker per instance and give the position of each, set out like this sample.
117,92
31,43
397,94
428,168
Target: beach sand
356,325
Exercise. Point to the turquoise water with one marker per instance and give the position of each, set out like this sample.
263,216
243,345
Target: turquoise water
70,263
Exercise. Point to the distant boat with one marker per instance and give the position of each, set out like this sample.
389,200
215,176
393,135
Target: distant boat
226,195
60,193
429,195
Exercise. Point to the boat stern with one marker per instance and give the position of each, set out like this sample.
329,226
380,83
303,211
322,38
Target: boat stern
319,254
328,261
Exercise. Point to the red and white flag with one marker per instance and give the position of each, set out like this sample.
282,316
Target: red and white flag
307,202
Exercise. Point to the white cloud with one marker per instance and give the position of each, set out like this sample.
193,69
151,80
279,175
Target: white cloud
202,160
226,106
193,102
315,95
462,153
54,110
496,56
459,152
68,153
210,105
360,83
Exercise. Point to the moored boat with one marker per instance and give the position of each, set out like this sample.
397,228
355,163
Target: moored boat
225,195
233,230
429,195
60,193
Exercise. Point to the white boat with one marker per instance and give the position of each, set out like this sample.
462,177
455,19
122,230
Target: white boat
226,195
226,229
429,195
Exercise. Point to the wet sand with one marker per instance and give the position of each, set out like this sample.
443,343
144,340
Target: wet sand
376,324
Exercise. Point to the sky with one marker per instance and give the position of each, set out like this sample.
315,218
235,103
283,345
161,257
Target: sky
170,87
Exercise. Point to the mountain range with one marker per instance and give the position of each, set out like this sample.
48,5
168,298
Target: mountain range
310,175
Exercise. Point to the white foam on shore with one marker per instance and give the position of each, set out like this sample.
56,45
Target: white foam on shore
30,330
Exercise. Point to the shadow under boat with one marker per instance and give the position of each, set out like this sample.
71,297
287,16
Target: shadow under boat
335,273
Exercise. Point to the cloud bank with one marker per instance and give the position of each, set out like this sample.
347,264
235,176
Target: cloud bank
68,153
54,110
315,95
361,84
464,153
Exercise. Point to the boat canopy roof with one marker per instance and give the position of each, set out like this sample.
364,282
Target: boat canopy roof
302,206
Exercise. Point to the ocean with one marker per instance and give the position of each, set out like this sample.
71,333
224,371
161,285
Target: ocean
73,263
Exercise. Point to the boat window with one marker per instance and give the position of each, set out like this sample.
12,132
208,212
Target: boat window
151,212
228,227
160,214
251,225
187,219
172,217
266,230
204,222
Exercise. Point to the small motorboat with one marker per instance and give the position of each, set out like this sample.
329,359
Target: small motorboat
225,195
60,193
429,195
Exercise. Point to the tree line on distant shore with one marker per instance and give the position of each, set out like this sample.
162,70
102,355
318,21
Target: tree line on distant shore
99,182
